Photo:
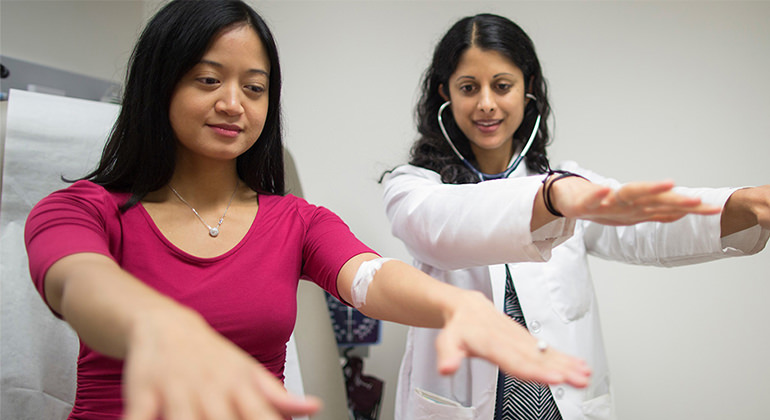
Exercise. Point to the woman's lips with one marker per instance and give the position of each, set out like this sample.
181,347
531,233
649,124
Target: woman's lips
226,130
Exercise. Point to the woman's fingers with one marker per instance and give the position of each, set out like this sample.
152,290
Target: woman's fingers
478,329
548,366
142,401
140,404
267,399
190,372
261,398
276,395
449,352
181,404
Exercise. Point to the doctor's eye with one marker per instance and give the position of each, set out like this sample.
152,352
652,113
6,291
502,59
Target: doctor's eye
469,88
503,87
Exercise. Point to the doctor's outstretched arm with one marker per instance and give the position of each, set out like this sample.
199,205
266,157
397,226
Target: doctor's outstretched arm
746,208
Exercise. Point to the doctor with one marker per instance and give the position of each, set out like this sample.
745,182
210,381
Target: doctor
483,108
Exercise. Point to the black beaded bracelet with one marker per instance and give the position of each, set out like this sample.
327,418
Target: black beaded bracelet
547,188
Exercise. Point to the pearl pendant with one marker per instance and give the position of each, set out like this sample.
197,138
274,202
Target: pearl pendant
213,232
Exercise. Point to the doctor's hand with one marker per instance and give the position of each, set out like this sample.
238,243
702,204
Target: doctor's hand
476,328
179,368
634,202
745,208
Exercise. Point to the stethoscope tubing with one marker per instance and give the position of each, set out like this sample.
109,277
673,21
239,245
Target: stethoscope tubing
514,162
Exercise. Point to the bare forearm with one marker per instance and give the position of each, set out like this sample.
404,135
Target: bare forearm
470,324
176,365
107,306
403,294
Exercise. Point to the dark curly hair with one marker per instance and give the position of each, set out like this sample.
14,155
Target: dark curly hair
487,32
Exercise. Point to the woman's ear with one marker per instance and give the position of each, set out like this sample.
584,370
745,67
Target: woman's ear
442,90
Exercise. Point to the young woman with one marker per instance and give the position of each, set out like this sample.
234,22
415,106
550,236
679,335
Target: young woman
483,132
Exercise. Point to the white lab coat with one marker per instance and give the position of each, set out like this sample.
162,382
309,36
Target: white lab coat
464,234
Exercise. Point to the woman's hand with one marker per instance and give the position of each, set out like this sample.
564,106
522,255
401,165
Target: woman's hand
471,325
176,366
477,329
179,368
633,203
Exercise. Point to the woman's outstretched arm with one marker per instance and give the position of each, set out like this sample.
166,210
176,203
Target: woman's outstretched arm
176,365
471,325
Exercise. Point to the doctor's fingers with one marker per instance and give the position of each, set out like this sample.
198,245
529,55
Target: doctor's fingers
631,191
651,195
663,206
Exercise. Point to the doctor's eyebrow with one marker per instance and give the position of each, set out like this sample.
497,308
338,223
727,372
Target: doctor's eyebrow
494,76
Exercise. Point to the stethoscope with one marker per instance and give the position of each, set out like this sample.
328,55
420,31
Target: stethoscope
514,162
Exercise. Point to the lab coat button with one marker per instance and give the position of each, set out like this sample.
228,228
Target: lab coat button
558,393
535,327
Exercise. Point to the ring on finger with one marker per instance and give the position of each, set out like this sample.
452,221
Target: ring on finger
542,346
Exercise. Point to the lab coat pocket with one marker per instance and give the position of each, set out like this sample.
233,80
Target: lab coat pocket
568,280
430,406
599,408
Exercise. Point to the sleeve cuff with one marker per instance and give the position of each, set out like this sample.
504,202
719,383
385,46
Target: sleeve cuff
552,234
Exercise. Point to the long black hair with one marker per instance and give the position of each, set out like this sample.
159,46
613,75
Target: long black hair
487,32
139,156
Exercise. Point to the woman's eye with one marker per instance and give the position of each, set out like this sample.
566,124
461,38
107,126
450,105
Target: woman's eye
255,88
208,80
503,86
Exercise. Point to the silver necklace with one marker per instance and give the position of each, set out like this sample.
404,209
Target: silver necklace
213,230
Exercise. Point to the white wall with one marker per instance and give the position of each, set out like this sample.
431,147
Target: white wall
641,90
93,38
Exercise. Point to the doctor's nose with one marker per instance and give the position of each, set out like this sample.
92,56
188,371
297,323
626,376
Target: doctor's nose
486,101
